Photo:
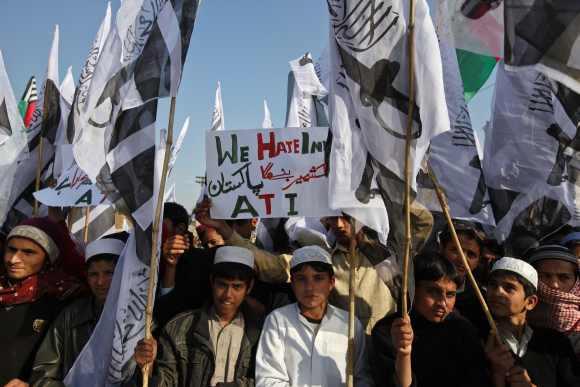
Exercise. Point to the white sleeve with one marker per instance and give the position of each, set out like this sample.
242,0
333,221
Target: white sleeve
362,373
270,367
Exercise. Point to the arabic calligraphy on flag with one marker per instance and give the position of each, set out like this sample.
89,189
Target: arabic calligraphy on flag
267,173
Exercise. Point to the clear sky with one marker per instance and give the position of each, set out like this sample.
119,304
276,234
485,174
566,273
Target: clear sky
245,44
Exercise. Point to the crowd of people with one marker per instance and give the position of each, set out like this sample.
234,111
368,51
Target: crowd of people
230,312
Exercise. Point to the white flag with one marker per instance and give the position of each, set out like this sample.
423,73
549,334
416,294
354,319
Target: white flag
176,148
304,93
12,139
453,155
217,118
267,122
142,59
531,149
369,101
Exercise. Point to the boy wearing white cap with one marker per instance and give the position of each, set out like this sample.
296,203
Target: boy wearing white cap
527,357
305,343
214,345
74,326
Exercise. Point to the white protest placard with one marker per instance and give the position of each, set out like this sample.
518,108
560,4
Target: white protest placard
73,189
267,173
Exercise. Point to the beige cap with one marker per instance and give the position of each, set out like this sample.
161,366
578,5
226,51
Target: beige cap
234,254
310,254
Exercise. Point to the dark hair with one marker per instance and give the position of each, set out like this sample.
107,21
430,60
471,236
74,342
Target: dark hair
113,258
529,289
462,228
233,271
319,267
432,266
176,213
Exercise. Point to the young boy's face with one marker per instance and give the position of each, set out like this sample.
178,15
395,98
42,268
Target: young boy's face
228,294
506,296
434,300
311,287
471,249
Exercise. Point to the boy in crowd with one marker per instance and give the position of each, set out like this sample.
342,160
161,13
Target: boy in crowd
305,343
471,239
74,326
434,346
527,357
214,345
374,299
558,291
33,290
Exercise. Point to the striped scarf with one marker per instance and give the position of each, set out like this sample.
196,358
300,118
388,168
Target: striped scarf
559,310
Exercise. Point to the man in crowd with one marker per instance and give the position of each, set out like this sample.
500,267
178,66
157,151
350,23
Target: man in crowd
216,344
374,299
434,346
72,329
527,357
558,291
471,239
572,241
32,292
305,343
209,237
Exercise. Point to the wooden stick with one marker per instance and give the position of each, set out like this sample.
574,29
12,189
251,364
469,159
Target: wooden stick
86,228
155,231
350,365
38,172
447,213
69,218
408,174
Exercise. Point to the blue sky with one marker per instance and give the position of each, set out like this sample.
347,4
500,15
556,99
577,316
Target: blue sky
245,44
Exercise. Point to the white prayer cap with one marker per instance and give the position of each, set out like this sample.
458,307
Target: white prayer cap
234,254
519,267
310,254
104,246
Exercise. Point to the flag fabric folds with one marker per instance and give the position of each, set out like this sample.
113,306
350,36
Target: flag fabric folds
217,118
531,148
27,104
267,121
453,154
12,139
369,102
545,34
24,185
141,59
305,91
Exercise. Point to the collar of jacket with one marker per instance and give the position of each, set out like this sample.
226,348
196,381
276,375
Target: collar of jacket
252,325
86,312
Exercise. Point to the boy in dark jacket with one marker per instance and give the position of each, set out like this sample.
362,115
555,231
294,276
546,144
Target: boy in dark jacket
436,346
74,326
214,345
527,357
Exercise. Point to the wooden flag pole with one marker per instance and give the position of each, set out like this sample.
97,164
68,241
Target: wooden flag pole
408,175
155,232
86,227
351,307
447,214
